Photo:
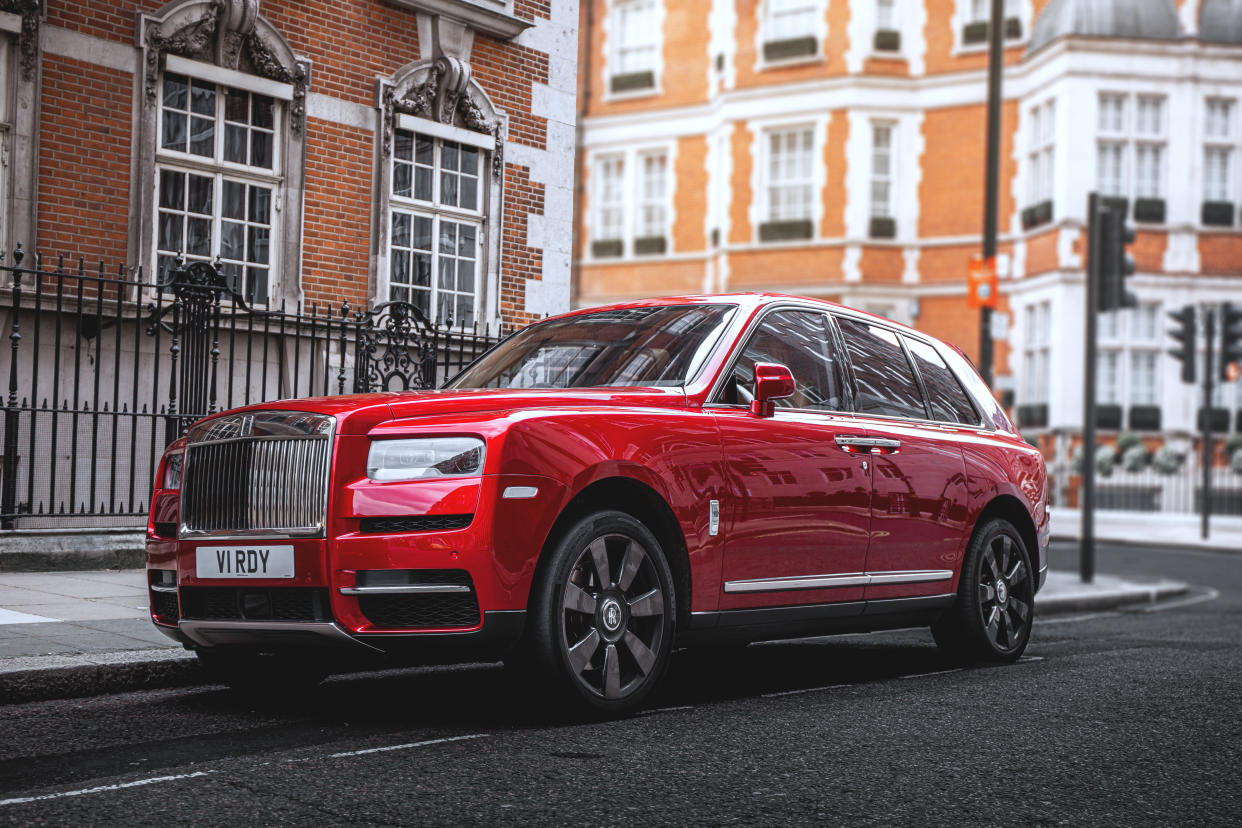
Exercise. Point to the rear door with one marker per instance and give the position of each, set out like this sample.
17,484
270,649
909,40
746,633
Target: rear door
919,497
796,531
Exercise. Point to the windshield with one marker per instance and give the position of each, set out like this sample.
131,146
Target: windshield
658,346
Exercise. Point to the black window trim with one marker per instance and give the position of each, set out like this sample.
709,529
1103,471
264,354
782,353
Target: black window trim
743,341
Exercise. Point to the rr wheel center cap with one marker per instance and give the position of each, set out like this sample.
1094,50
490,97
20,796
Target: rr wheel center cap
1002,592
611,616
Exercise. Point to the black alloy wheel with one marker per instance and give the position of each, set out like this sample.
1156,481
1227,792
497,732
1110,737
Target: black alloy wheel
992,618
607,614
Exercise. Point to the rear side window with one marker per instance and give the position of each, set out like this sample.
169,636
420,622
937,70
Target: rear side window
886,383
798,340
949,403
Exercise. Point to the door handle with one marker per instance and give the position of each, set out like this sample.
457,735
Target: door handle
867,445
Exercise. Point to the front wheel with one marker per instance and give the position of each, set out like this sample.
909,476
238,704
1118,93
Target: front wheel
605,612
995,608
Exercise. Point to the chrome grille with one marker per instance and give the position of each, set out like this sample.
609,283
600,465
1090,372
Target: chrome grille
257,474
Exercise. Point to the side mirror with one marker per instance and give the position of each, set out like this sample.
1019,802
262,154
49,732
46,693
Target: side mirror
772,382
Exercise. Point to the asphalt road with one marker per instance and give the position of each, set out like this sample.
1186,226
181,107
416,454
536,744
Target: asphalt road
1112,719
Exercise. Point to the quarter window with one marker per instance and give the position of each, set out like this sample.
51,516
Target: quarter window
944,393
217,174
799,340
436,226
885,381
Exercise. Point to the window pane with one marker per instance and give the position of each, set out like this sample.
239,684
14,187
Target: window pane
422,270
422,233
448,189
446,274
948,401
203,137
448,236
174,131
200,194
400,230
175,91
424,149
235,144
198,237
400,266
261,149
465,275
258,245
257,277
170,232
470,160
465,242
401,179
237,106
260,204
172,189
886,384
234,200
203,99
422,184
798,340
232,240
448,157
469,193
262,111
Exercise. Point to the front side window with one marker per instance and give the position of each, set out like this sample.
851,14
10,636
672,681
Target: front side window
436,226
790,165
661,346
800,341
635,36
884,380
218,170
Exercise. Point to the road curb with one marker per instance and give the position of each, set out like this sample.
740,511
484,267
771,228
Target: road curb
1094,601
60,677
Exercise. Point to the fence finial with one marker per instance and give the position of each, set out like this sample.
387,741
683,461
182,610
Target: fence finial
18,255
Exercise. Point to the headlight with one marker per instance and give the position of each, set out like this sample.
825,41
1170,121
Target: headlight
172,471
422,458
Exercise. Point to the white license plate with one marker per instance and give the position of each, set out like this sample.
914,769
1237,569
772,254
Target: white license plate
244,562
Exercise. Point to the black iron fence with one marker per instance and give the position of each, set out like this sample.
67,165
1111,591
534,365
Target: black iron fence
107,368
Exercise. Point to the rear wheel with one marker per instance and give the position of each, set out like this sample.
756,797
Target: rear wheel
995,608
605,612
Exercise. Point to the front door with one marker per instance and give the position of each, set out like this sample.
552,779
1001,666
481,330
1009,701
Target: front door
796,527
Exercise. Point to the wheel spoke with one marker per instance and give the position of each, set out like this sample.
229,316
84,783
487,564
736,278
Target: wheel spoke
612,672
993,624
633,559
986,593
1006,552
578,599
643,655
580,654
990,560
1006,629
599,554
649,603
1020,607
1017,574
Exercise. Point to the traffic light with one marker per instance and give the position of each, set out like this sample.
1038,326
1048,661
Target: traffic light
1185,334
1230,340
1114,263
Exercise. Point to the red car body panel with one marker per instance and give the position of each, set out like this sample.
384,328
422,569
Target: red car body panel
791,503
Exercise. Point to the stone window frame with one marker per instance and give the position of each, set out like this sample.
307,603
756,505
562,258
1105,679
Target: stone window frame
1130,136
778,49
1224,199
438,97
1039,159
208,40
21,22
775,229
638,83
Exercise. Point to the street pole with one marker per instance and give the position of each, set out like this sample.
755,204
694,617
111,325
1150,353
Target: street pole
996,60
1086,561
1205,503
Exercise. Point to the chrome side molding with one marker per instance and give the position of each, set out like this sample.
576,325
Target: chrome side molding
405,589
835,581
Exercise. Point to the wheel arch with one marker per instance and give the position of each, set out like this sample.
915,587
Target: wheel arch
1011,509
642,502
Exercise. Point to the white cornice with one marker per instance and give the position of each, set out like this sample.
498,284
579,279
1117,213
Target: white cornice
486,17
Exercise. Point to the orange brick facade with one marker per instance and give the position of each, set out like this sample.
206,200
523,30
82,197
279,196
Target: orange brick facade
93,165
724,87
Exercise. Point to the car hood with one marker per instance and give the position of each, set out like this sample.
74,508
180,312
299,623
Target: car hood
358,413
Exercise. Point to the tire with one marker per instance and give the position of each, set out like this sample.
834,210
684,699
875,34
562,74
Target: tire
995,608
604,613
253,672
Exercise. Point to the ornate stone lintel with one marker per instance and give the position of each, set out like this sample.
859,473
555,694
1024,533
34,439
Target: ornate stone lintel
266,64
187,42
443,96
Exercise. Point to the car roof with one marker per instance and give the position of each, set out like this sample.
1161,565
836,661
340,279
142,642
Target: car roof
749,302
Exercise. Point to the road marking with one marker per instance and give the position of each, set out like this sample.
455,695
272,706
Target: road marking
15,617
1072,618
666,709
803,690
1210,595
1025,659
406,746
936,673
152,781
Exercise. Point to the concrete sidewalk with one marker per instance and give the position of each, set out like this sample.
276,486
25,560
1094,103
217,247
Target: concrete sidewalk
1160,529
68,634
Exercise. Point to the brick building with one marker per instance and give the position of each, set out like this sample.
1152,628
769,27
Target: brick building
316,147
836,149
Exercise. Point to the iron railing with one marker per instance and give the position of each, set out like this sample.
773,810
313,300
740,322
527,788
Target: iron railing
106,368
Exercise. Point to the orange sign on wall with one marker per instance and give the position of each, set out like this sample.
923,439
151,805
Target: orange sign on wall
981,286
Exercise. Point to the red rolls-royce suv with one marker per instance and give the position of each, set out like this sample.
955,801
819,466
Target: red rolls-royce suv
603,487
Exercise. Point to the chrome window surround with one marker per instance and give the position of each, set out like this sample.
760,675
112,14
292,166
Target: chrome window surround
261,426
